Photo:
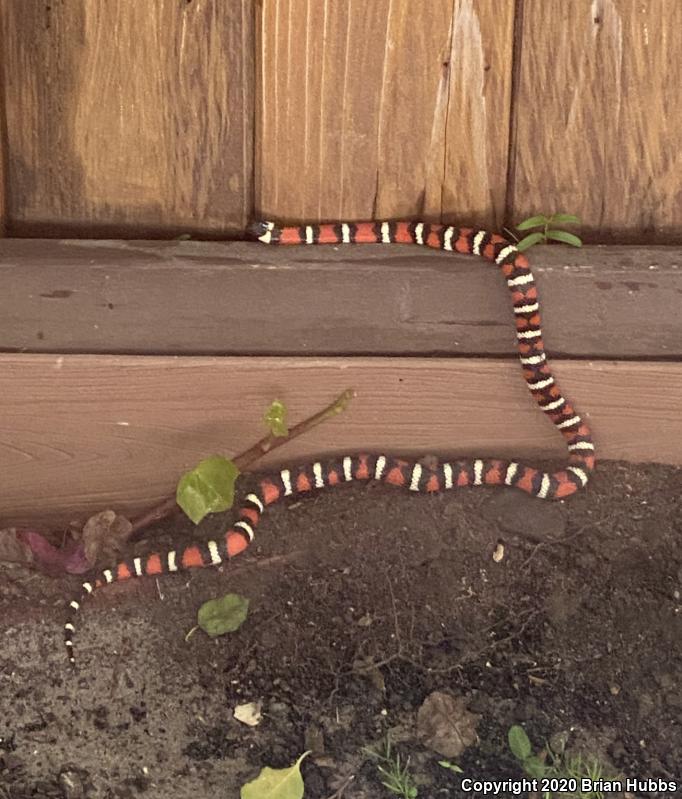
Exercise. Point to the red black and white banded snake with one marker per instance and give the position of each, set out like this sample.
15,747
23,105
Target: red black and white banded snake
408,473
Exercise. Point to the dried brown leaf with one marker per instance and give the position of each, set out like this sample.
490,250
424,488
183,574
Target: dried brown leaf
12,548
445,725
104,533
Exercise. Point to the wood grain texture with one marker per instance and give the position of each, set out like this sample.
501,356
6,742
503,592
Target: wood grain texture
3,175
237,298
81,433
3,139
598,117
381,110
128,118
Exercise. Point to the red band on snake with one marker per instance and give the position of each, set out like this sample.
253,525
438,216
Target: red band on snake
403,472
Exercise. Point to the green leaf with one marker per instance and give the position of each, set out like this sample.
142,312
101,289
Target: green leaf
224,615
534,767
564,219
208,488
519,742
276,783
562,235
529,241
532,221
276,419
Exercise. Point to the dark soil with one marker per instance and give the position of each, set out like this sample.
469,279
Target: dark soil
364,601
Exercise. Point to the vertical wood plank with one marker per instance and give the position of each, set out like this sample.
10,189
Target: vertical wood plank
478,123
3,172
598,117
380,110
3,216
128,118
3,140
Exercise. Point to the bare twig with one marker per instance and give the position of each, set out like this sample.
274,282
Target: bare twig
271,442
565,539
262,563
473,656
169,506
338,793
398,654
396,625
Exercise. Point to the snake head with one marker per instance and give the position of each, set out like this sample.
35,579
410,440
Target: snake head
266,232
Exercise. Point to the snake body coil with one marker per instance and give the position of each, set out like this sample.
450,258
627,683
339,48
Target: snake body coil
407,473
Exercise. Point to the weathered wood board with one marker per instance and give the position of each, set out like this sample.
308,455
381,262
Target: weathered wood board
3,147
131,119
238,298
378,110
3,185
598,117
128,118
81,433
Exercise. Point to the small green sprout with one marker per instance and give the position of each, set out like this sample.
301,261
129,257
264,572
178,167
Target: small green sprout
549,231
395,776
521,748
276,419
549,764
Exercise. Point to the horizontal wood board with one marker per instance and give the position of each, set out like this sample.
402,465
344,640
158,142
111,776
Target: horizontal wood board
128,118
238,298
374,110
81,433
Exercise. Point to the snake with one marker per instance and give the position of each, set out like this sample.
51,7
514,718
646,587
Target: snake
411,474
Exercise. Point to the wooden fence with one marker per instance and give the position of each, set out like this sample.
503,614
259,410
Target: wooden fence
161,117
122,363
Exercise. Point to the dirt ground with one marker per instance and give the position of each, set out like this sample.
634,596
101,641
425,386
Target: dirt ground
364,600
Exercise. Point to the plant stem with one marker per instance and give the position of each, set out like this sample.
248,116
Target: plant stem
270,442
168,506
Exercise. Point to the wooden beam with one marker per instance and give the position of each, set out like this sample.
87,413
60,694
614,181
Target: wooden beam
597,122
82,433
383,111
218,298
129,118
